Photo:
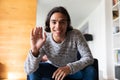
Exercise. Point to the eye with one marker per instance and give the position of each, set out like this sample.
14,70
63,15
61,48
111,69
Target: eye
53,22
62,22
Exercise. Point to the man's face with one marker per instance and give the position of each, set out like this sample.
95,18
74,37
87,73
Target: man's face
58,24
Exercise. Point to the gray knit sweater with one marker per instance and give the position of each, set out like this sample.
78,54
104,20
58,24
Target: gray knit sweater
62,54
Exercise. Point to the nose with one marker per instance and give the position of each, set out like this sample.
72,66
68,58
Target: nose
58,25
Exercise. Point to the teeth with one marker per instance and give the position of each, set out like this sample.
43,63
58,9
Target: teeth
57,31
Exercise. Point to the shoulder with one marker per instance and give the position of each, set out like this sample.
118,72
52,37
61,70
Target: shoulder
76,35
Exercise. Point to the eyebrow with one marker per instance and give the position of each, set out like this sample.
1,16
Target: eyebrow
59,20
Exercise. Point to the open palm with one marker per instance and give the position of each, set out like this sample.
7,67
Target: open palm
37,39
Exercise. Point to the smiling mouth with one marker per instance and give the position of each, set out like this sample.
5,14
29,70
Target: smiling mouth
57,31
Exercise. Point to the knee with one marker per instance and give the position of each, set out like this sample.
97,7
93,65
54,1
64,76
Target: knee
90,70
89,73
33,76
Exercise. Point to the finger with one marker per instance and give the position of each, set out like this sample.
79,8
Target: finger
60,76
40,30
54,74
36,31
32,33
63,76
44,36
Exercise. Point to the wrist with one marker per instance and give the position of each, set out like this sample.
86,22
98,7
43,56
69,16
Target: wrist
35,53
68,68
71,70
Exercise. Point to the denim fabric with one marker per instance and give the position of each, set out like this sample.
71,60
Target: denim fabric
45,71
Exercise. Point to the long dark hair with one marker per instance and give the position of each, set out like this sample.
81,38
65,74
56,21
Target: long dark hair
61,10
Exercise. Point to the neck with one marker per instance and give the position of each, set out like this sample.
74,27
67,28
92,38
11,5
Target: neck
58,39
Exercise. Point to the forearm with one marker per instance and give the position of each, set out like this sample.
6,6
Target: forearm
80,64
32,63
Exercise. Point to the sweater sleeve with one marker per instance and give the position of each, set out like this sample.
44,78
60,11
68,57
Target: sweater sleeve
86,56
31,63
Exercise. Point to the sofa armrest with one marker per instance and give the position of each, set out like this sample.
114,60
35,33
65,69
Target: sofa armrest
96,66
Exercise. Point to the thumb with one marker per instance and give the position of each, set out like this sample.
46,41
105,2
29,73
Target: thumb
44,36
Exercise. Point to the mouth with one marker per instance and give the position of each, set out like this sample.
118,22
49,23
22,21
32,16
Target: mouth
58,32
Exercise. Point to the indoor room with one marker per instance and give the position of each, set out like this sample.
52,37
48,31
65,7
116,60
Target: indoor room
97,19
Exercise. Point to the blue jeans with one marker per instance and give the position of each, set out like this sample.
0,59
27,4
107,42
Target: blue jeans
45,71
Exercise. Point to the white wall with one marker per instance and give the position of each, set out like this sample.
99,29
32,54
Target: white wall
100,26
97,28
110,55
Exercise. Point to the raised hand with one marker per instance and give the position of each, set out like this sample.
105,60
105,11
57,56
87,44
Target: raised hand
37,40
